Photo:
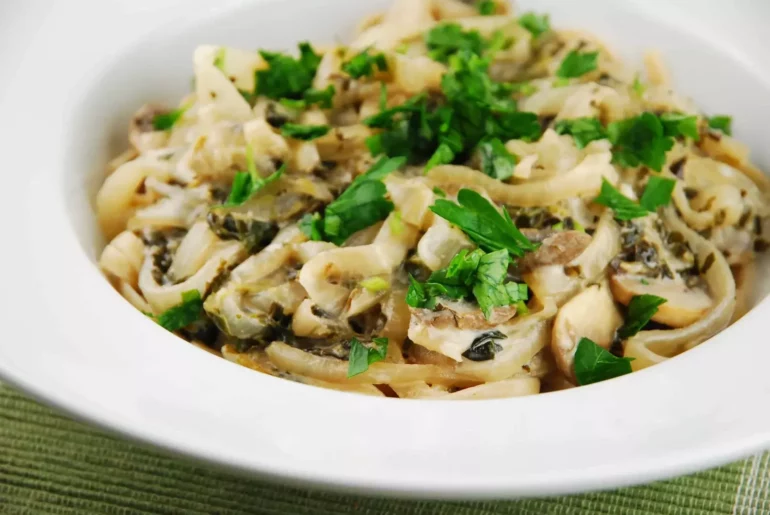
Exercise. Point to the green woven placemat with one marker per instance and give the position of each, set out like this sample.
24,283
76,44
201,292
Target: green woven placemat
51,464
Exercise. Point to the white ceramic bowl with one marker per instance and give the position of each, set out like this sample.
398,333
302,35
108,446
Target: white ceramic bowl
68,88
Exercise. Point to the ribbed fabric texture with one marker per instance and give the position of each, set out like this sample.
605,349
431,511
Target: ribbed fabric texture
51,464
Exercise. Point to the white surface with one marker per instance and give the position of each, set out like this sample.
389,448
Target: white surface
70,74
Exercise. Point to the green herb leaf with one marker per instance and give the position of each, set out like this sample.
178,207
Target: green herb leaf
287,77
577,64
324,98
304,132
312,226
584,130
365,64
490,296
183,314
624,207
461,270
483,223
493,267
487,7
362,206
641,309
722,123
362,356
415,295
166,121
524,88
657,193
448,39
246,184
443,155
439,192
594,363
638,87
395,223
537,25
638,141
676,124
496,161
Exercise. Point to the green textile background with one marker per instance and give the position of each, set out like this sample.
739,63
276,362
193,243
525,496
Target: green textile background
51,464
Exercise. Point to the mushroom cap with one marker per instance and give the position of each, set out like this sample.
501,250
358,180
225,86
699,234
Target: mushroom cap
684,305
590,314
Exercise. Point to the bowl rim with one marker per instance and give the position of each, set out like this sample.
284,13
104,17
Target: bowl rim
664,397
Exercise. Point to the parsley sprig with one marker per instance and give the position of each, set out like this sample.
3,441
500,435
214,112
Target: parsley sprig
641,309
248,183
537,25
722,123
483,223
183,314
594,363
583,130
166,121
304,132
286,76
470,274
577,64
361,356
362,204
656,194
365,64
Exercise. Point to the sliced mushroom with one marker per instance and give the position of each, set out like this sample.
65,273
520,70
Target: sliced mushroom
557,249
683,306
590,314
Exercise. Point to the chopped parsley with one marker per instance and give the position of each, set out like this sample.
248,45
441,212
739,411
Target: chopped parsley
594,363
219,59
722,123
304,132
641,309
166,121
312,226
496,161
183,314
577,64
583,130
362,204
286,76
246,184
365,64
323,98
470,274
676,125
638,87
657,193
448,39
439,192
362,356
474,108
537,25
640,141
487,7
396,223
483,223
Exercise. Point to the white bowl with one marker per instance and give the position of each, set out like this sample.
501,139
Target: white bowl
73,342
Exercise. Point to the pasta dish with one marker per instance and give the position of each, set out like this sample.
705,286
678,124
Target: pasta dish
462,203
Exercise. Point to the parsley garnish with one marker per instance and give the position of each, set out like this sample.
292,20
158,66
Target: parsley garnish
676,124
487,7
594,363
304,132
470,273
722,123
322,97
246,184
362,356
365,64
483,223
165,121
657,193
577,64
439,192
362,204
448,39
496,161
312,226
624,207
641,309
638,141
182,314
583,130
286,76
535,24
